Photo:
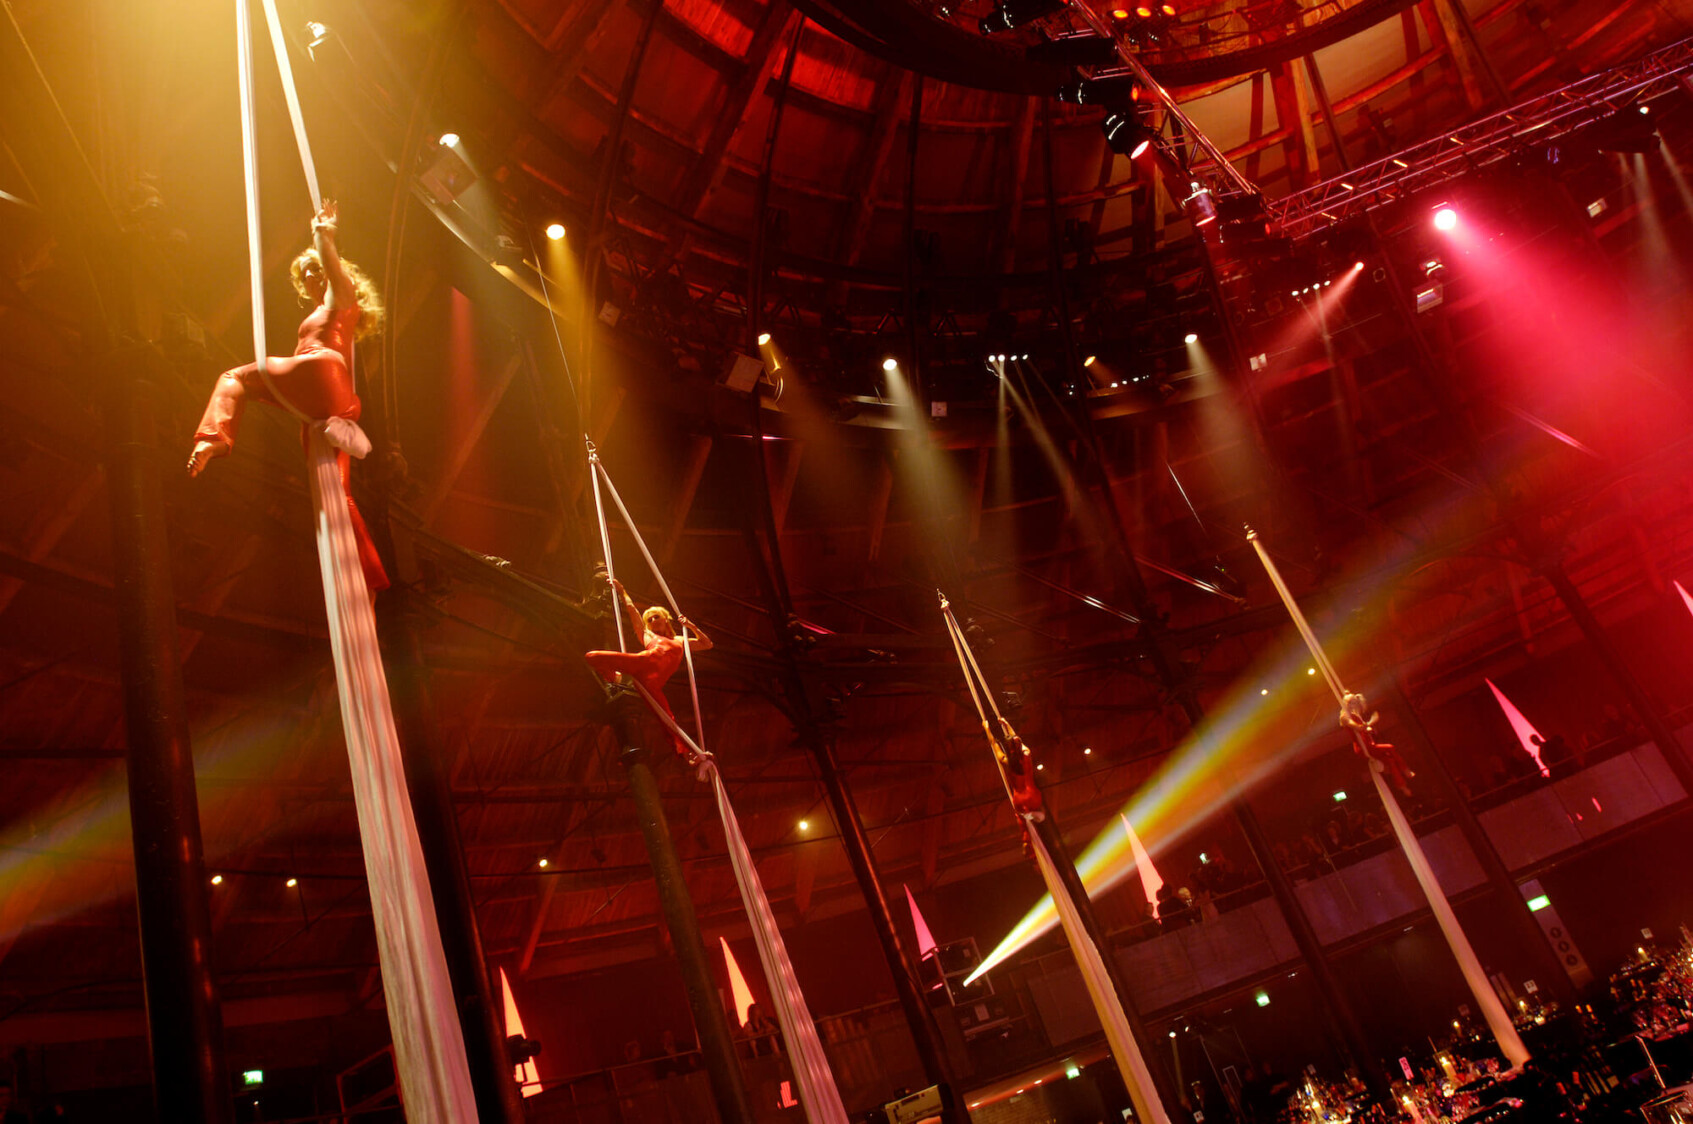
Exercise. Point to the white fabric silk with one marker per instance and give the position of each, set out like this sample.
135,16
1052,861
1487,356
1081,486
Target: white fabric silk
429,1053
1131,1064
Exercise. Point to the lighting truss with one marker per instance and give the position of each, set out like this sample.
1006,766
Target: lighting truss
1480,144
1176,137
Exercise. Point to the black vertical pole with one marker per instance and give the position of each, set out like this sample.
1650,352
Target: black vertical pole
481,1016
184,1022
1609,655
717,1044
1530,938
925,1032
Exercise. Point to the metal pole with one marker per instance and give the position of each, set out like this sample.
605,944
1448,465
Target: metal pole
184,1022
772,576
925,1032
1664,737
1543,960
481,1016
1166,1091
1323,103
717,1044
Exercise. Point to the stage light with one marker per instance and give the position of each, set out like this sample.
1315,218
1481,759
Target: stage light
1200,206
1310,671
1143,12
890,363
1172,1034
1191,337
1445,219
1168,9
763,338
1017,13
1040,767
1263,690
319,32
805,825
555,231
1262,999
1114,89
1357,267
449,140
217,880
1645,109
291,883
1090,360
1126,134
1120,13
1087,751
542,864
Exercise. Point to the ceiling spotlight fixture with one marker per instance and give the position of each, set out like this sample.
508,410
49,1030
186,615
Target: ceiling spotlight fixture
1109,89
1120,13
763,338
1191,337
291,883
217,880
542,864
889,363
1090,360
1017,13
555,231
805,825
1200,206
1445,218
1126,133
449,140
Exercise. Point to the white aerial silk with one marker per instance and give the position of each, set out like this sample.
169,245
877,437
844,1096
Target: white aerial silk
819,1097
429,1057
1353,717
1107,1004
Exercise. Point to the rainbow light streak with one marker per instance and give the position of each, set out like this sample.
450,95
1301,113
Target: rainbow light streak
1524,729
1244,740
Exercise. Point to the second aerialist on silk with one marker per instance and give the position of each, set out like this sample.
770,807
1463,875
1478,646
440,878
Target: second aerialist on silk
659,658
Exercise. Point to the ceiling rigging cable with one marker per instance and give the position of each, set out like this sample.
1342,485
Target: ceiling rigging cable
429,1055
818,1095
1016,772
1383,763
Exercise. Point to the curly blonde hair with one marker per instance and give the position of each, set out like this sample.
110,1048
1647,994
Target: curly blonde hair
371,312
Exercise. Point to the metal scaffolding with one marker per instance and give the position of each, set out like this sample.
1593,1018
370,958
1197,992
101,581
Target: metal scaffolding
1512,132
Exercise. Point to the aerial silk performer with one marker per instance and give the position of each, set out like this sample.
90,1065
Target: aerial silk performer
664,649
1388,772
315,386
1017,772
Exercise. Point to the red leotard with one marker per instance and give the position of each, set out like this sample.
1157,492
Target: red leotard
316,381
652,668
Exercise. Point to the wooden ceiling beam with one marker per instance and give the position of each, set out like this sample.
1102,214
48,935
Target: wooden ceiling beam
708,170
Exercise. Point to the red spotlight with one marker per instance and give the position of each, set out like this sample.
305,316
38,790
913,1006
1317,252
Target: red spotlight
1445,219
1357,266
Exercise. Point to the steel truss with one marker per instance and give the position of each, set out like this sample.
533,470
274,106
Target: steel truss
1481,144
1177,138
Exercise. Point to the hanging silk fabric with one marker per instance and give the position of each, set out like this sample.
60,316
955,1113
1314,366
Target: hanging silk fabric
1383,762
1107,1004
818,1095
429,1057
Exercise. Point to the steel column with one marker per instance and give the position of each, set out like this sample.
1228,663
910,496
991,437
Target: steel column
1530,938
481,1016
717,1045
184,1022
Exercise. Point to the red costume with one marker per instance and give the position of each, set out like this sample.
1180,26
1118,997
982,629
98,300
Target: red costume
316,381
651,668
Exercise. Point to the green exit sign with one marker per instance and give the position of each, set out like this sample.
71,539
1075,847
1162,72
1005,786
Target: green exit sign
252,1077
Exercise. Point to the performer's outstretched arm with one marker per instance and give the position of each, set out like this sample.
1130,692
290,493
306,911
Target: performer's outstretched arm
341,293
636,624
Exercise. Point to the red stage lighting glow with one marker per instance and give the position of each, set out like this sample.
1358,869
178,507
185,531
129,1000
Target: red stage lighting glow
1119,13
1445,219
1357,266
1144,12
